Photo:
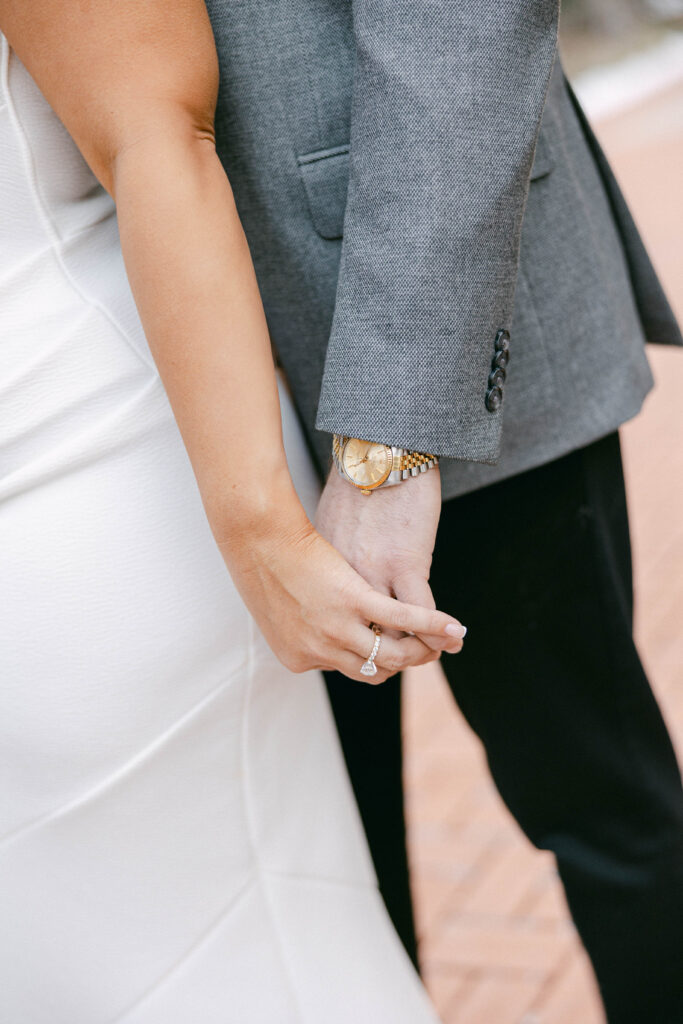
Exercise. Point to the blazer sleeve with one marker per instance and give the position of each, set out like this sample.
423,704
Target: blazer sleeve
447,102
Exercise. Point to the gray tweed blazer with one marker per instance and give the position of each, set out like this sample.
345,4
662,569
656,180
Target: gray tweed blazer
414,177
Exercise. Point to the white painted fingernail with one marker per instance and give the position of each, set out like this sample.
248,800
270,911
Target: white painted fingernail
456,630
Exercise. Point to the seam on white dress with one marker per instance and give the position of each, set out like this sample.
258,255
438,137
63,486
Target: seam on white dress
187,955
261,872
47,220
133,762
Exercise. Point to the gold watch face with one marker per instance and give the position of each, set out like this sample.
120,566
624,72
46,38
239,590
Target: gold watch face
365,463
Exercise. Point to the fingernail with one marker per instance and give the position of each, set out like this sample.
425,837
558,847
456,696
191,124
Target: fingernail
456,630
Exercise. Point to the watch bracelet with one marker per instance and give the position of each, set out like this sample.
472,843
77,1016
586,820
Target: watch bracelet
412,463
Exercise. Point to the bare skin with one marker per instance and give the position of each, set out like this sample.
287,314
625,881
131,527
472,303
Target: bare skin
135,84
388,536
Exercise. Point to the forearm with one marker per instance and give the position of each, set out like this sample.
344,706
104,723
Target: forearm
195,288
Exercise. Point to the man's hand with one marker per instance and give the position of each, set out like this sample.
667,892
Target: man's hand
388,537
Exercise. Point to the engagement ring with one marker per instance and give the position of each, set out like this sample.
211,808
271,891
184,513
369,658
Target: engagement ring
368,668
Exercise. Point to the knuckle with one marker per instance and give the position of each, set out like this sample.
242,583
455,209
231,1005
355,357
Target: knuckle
362,602
354,596
331,634
396,617
374,568
296,661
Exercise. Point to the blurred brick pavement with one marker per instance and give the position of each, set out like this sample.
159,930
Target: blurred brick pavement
496,941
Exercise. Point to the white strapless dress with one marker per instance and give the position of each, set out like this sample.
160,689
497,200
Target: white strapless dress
178,839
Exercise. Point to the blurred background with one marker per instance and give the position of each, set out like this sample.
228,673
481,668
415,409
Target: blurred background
496,941
594,32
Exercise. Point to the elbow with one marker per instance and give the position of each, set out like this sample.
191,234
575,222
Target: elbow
140,120
162,132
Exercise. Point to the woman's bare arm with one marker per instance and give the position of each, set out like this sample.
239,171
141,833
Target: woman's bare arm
135,84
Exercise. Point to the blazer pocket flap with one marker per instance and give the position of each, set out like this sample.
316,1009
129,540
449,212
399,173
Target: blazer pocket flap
325,176
543,162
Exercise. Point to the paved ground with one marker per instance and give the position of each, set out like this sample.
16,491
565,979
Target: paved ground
496,941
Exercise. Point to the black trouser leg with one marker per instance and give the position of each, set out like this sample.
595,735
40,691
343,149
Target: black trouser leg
369,723
539,570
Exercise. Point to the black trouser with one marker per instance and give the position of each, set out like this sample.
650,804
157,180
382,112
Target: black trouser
538,568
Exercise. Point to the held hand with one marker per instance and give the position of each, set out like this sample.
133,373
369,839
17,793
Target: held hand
315,610
388,537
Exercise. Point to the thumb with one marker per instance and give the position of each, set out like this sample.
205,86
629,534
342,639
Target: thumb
412,588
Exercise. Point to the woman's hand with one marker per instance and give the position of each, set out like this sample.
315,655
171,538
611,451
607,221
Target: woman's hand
315,610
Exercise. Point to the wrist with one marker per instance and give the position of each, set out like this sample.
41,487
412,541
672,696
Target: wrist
246,511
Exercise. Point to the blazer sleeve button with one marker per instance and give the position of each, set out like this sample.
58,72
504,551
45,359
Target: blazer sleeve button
501,359
502,342
497,378
494,398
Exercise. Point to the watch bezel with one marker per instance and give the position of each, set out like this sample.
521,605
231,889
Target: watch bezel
375,444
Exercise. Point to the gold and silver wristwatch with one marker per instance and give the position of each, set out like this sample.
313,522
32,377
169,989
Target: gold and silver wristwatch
369,466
